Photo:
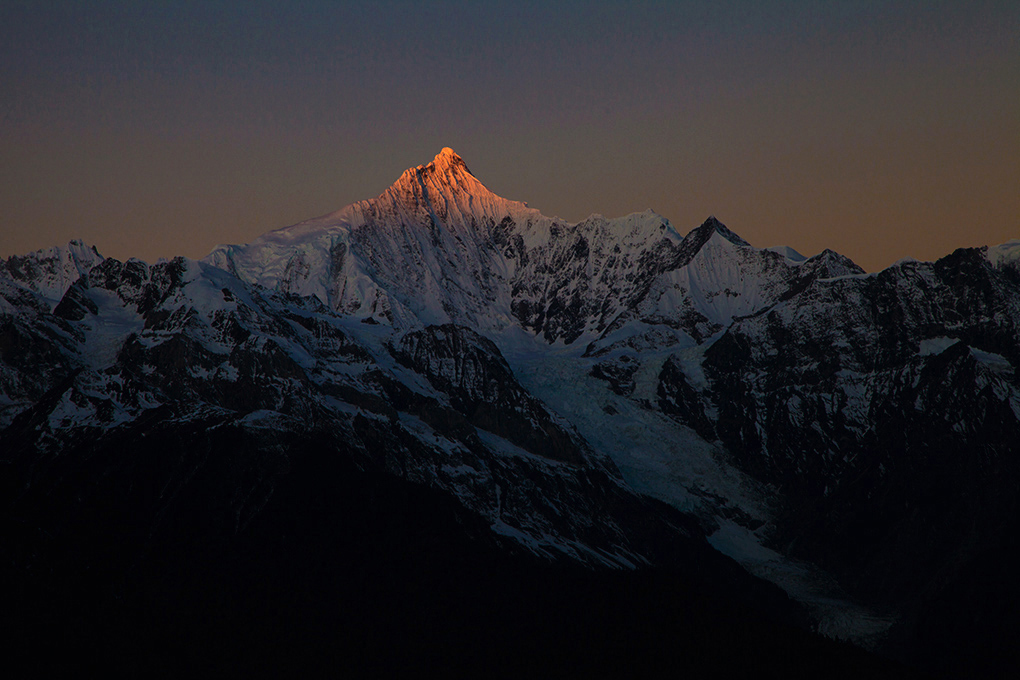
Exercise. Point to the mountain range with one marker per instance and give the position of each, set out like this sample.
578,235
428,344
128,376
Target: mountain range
375,436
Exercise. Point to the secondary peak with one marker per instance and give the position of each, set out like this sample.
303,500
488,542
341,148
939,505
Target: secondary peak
714,226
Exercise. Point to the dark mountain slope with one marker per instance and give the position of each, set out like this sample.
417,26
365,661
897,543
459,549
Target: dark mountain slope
345,571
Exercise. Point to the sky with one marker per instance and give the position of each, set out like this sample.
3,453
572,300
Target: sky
881,130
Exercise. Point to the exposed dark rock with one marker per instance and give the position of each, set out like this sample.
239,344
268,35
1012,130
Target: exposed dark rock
619,373
470,369
678,399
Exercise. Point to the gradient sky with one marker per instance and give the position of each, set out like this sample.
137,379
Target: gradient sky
879,129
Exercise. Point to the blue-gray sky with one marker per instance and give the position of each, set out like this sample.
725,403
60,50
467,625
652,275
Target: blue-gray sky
879,129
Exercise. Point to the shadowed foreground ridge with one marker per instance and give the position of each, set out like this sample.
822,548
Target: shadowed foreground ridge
356,571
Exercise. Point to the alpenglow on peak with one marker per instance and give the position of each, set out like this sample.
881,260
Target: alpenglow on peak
447,152
445,188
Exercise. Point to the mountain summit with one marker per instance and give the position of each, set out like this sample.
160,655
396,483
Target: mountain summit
443,190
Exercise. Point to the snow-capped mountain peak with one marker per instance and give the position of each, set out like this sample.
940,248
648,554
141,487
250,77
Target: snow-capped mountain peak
443,191
423,251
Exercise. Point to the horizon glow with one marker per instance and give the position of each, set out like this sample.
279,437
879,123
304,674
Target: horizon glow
879,130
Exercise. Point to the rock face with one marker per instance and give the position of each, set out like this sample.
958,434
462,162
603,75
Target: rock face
480,385
187,344
849,436
887,409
